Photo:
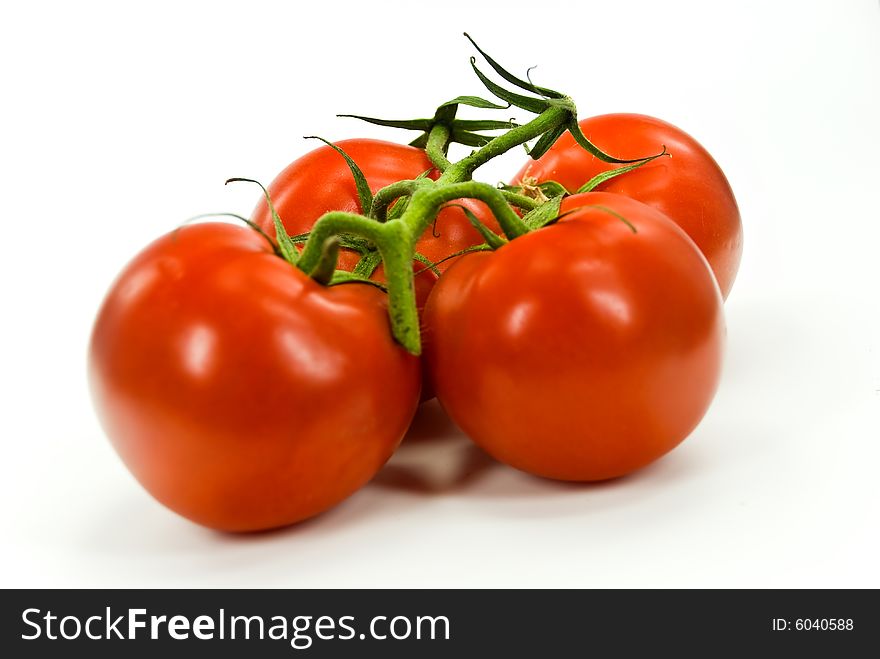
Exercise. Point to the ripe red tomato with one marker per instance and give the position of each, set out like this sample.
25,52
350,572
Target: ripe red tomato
581,351
241,393
321,181
689,187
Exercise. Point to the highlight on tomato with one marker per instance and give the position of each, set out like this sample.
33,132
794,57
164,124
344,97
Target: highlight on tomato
583,350
240,392
688,186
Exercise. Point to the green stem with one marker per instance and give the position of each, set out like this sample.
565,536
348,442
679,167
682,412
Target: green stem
551,118
385,196
437,146
520,200
396,239
396,243
326,267
332,224
432,199
397,249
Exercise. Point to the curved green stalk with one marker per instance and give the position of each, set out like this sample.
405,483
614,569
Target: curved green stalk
385,196
550,119
323,272
397,248
437,146
509,221
396,240
520,200
332,224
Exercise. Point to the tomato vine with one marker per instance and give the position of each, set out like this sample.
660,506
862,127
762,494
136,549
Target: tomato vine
395,237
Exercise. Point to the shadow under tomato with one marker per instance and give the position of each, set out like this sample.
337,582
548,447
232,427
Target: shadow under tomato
421,475
435,457
518,484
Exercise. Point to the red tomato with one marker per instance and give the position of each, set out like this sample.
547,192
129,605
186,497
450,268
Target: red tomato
239,392
321,181
581,351
689,187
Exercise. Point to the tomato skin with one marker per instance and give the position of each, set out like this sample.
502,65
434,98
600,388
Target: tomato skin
238,391
320,181
689,187
580,351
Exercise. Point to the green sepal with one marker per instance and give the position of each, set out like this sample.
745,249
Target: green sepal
483,124
354,243
565,103
420,142
285,244
424,260
445,114
365,196
546,140
475,248
474,102
345,277
397,207
522,84
408,124
544,214
468,138
581,139
552,189
368,263
493,240
535,105
600,178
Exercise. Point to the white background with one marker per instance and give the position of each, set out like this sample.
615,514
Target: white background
118,123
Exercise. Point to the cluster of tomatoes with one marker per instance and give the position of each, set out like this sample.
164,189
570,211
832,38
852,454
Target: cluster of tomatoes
245,394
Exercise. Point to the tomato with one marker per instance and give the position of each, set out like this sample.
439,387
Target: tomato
321,181
239,392
581,351
689,187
